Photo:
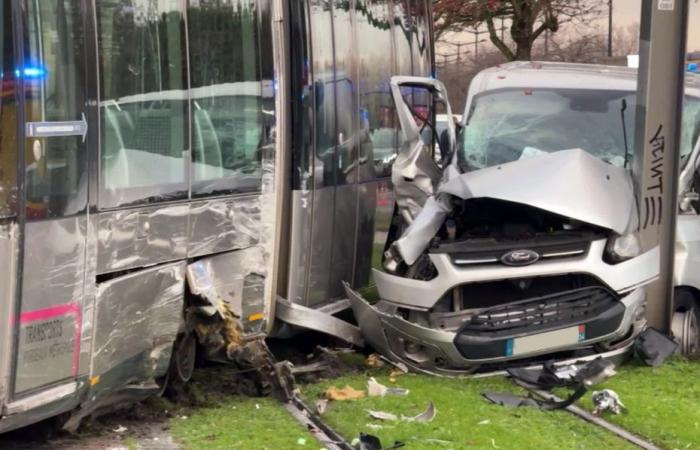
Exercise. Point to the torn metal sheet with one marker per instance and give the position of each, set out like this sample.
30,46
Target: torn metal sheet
138,317
313,319
235,282
223,225
426,416
415,174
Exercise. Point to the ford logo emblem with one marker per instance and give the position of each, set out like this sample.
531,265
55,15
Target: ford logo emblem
520,258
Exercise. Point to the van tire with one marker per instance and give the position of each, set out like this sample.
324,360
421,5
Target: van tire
685,321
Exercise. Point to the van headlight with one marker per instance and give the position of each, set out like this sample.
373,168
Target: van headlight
623,247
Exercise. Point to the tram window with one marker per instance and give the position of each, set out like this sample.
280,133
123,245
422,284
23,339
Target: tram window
378,138
227,105
324,86
53,74
143,101
8,118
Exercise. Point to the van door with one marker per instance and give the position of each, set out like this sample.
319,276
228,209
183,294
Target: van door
52,73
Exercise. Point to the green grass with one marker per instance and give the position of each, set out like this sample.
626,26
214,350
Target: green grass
464,419
663,403
241,424
130,442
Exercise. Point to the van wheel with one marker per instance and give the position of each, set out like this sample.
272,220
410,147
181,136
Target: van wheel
685,321
184,356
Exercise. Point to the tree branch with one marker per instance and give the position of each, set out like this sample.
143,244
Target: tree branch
500,45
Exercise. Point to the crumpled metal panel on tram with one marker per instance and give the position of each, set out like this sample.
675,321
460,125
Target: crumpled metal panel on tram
138,318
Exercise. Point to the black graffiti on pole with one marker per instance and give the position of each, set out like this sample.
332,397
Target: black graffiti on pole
653,197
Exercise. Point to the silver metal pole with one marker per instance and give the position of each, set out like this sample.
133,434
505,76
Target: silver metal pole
658,124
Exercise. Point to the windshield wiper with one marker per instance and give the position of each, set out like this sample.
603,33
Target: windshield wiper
624,131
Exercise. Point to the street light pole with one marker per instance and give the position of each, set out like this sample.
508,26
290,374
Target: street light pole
610,25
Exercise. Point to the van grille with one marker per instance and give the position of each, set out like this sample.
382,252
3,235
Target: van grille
552,311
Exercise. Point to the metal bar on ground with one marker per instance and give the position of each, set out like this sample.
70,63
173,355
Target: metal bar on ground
324,434
588,417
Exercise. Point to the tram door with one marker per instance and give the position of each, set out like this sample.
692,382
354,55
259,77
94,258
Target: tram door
325,206
51,72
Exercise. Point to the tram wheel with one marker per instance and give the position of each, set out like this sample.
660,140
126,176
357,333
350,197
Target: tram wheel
685,323
184,357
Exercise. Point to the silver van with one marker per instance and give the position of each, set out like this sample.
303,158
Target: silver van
521,243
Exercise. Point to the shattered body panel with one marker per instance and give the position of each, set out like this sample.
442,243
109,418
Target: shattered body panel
571,183
138,317
506,263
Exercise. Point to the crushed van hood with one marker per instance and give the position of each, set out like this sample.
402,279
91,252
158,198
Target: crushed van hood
571,183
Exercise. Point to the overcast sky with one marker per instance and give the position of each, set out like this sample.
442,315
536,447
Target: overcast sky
629,11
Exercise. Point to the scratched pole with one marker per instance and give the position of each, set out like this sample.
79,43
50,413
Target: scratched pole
658,123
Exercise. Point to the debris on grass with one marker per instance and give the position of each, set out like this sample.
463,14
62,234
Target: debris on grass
424,417
369,442
346,393
606,400
376,389
321,406
653,347
120,429
374,360
381,415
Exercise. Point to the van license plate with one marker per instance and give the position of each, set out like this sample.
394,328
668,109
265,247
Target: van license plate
543,341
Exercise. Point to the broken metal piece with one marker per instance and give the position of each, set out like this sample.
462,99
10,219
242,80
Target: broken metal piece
376,389
653,347
606,400
382,415
424,417
313,319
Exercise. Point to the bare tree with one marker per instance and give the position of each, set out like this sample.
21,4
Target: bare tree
528,19
626,39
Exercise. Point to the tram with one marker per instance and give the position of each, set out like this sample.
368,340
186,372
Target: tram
170,170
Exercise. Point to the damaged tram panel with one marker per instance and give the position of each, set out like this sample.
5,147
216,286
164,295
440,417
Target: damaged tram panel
525,258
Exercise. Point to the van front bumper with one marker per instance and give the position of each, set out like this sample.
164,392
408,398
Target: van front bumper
454,352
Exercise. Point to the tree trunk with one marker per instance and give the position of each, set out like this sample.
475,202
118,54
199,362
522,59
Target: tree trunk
523,51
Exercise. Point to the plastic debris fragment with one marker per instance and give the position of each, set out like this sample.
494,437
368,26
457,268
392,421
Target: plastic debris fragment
376,389
346,393
606,400
381,415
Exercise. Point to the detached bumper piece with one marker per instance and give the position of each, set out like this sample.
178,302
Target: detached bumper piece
575,316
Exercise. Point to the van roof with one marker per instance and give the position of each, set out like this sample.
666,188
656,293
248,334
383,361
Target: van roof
541,74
